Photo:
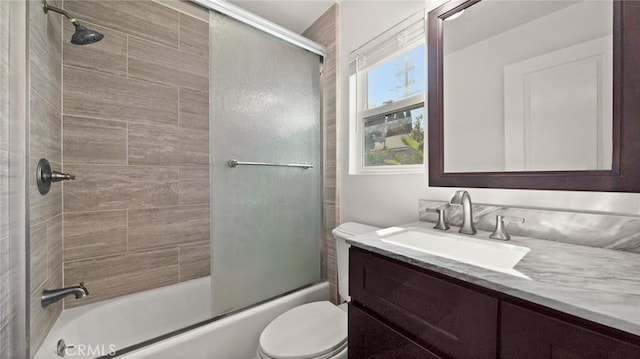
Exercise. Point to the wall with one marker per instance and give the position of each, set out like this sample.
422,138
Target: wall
5,293
387,200
13,211
45,130
135,133
325,32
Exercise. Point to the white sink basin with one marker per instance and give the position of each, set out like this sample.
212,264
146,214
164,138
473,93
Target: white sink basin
501,257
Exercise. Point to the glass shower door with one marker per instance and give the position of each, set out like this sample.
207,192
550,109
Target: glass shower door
266,220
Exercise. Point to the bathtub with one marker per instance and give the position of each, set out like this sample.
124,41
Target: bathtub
100,328
232,337
128,320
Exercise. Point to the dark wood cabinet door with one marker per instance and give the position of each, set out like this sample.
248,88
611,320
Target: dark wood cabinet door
371,339
438,314
526,334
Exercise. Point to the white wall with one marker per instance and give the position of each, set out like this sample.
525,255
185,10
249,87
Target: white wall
387,200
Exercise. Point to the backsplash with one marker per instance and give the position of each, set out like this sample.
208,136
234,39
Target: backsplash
588,229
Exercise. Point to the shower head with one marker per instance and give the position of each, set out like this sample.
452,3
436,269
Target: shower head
82,35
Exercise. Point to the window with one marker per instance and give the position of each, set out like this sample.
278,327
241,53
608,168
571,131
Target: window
387,94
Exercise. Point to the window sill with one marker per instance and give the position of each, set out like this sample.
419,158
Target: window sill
388,170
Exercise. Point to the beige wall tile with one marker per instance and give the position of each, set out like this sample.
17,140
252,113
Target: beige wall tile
113,276
97,269
49,205
146,19
119,187
44,129
159,145
7,295
193,185
42,319
324,31
194,109
54,244
4,194
136,136
108,55
45,97
94,234
95,141
45,53
149,228
194,35
195,260
93,94
4,93
38,255
152,62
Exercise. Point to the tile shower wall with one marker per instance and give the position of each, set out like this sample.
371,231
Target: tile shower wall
45,130
135,133
5,270
325,31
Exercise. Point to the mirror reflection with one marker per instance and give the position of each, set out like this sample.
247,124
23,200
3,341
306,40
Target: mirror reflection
527,86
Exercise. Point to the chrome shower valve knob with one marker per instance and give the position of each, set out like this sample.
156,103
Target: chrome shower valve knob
45,176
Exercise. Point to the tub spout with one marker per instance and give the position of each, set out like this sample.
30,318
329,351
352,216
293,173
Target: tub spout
54,295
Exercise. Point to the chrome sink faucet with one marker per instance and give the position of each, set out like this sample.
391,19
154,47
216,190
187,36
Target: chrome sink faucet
463,199
54,295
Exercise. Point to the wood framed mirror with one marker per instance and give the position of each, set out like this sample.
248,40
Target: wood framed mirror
614,167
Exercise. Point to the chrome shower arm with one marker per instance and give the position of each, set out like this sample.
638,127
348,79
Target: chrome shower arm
82,35
46,7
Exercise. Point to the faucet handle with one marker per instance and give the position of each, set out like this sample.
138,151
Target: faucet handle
499,232
442,216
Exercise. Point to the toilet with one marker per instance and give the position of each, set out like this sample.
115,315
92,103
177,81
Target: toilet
315,330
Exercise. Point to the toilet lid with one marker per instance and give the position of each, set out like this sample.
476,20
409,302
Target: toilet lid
307,331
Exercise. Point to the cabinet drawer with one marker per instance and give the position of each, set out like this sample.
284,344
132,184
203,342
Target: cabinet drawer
369,338
448,318
527,334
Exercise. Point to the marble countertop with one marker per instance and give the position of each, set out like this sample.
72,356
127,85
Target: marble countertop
601,285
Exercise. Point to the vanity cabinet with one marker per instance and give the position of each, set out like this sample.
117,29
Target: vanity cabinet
423,314
439,315
370,338
527,334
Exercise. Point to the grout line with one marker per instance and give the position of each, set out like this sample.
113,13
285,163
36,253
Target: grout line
136,251
143,81
187,166
126,121
134,209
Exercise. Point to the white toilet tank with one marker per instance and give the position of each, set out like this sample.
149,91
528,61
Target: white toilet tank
341,233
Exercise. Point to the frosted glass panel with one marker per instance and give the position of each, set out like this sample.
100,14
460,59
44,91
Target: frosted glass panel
266,221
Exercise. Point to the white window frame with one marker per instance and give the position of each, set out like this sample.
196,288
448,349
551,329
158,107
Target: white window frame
358,82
